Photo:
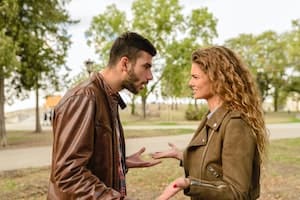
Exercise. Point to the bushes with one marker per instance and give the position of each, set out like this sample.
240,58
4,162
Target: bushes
193,113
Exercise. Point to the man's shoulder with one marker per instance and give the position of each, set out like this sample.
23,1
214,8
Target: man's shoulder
88,90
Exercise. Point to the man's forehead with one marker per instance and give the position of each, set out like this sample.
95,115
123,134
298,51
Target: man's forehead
144,58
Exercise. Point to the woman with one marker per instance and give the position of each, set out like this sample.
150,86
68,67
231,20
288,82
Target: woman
224,157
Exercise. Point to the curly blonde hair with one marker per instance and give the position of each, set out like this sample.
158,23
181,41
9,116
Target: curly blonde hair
233,83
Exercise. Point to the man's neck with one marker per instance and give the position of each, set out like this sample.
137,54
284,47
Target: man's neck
112,78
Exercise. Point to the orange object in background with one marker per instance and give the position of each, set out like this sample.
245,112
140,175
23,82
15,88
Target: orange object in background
52,101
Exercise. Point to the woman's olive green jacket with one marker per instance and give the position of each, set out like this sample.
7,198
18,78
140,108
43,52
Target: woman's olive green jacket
222,159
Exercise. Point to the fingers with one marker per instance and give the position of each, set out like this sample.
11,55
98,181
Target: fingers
157,155
142,150
170,191
181,183
153,163
145,164
172,145
165,154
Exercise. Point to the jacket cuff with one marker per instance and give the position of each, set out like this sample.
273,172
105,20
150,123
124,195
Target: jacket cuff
193,183
181,163
198,186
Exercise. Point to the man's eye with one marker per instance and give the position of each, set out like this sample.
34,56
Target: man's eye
147,66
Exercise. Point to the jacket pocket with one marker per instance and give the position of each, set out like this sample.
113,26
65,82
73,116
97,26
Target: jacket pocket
214,172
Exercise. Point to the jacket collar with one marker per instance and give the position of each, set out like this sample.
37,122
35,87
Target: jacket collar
217,117
201,135
109,91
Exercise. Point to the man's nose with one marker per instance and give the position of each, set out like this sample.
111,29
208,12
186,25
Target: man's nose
149,75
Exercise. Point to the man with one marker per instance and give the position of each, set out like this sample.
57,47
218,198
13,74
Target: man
88,159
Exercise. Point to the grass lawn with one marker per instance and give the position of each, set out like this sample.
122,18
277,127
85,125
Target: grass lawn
19,139
280,177
166,117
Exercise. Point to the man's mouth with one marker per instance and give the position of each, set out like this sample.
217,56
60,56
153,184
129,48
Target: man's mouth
143,85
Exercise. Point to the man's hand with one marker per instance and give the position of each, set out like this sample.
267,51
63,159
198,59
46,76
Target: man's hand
174,152
135,160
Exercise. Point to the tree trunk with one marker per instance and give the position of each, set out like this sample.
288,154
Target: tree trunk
3,139
275,99
133,105
38,128
144,99
172,103
195,104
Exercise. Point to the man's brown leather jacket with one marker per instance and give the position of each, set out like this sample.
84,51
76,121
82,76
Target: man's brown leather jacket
85,153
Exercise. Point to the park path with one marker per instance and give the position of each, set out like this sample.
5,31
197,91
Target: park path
12,159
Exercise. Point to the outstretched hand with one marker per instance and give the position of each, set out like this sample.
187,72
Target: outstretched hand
135,160
174,152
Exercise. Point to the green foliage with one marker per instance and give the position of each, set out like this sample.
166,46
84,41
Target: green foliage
8,47
293,49
8,57
172,33
193,113
104,29
201,25
271,57
38,31
161,20
34,43
176,72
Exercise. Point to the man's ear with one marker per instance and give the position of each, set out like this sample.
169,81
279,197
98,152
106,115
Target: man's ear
124,63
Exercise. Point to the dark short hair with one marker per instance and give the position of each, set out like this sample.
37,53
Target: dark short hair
129,44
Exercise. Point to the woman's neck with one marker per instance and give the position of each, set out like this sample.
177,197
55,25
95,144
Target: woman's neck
214,102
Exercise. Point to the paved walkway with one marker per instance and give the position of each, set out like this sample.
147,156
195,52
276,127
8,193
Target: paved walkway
40,156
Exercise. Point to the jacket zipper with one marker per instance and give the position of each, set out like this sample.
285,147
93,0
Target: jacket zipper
204,153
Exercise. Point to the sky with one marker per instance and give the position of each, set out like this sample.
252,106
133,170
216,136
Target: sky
234,17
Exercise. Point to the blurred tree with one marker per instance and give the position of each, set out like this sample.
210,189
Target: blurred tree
199,29
162,22
272,56
293,38
267,56
38,29
244,45
8,58
43,47
103,29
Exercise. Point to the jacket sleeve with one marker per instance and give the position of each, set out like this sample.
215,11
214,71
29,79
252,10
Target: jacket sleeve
238,153
73,128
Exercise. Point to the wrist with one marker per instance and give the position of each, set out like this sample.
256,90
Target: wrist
179,156
187,183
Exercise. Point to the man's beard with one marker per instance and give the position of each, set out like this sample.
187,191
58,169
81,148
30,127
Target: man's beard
129,83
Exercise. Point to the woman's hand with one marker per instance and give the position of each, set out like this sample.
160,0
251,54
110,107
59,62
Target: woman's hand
174,187
174,152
